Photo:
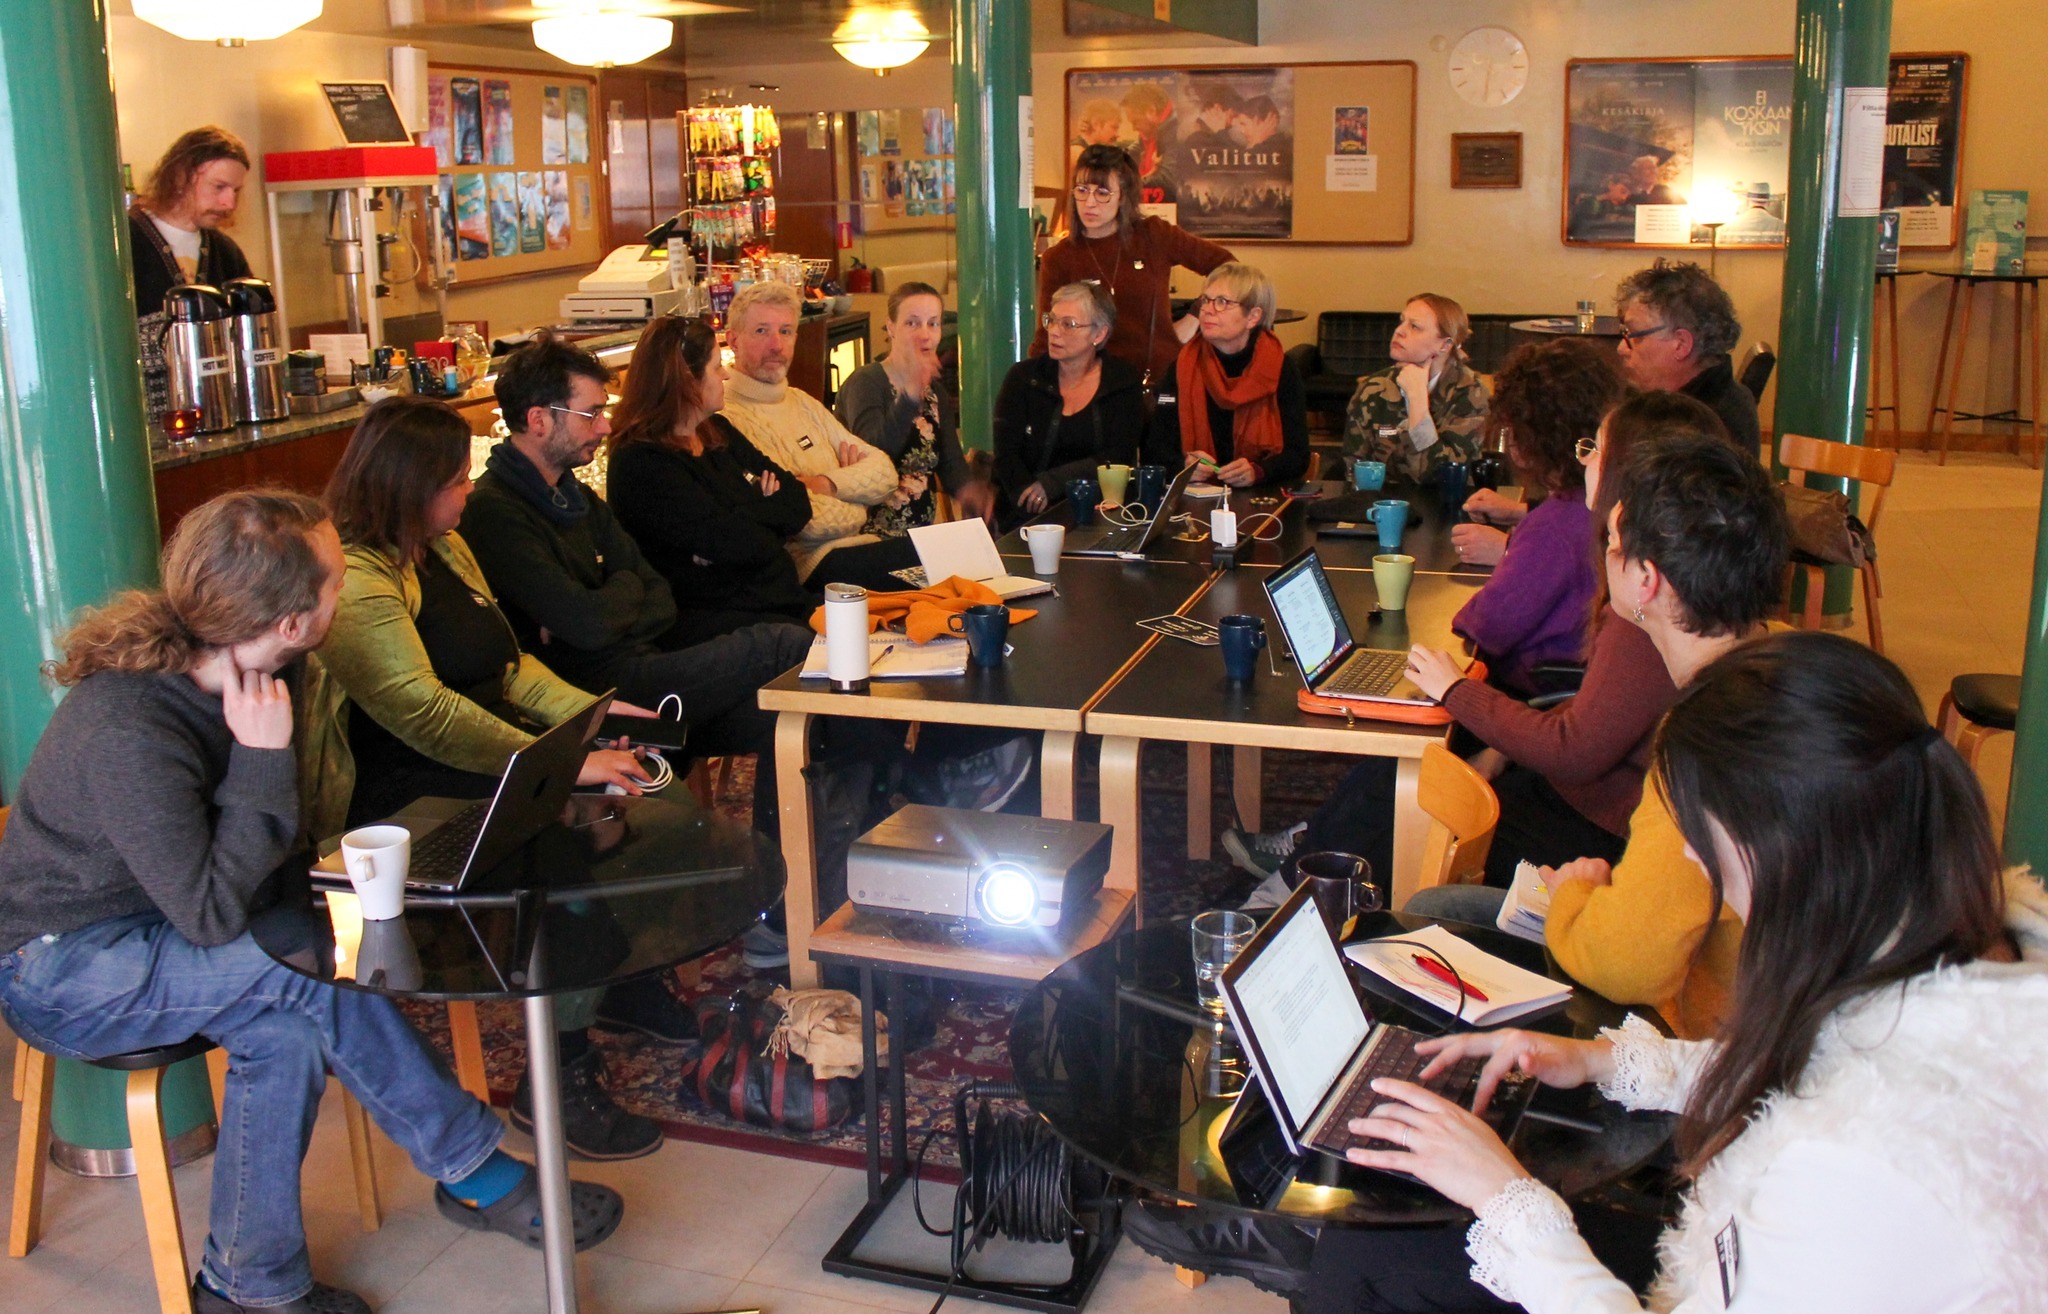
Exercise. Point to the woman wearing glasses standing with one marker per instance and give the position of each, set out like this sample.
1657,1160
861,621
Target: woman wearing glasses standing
1132,256
1060,415
1243,410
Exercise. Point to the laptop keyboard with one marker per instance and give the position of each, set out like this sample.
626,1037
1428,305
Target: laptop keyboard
1368,671
439,856
1394,1057
1121,540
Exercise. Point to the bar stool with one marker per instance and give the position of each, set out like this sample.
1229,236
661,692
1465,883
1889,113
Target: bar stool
1975,708
160,1220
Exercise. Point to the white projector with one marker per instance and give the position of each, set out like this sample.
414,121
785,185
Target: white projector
987,867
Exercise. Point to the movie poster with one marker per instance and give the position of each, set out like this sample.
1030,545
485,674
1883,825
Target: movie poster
438,134
472,217
1630,145
533,214
554,127
555,182
447,247
1351,133
1923,140
892,132
870,183
498,121
867,132
935,133
1741,151
504,214
578,121
1214,146
467,96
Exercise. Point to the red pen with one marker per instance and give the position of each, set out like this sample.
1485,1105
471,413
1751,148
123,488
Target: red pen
1444,974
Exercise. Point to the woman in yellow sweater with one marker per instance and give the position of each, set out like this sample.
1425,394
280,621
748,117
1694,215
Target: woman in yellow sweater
1696,552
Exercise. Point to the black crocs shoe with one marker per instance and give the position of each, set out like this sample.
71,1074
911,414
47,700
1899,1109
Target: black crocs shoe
648,1006
1271,1255
322,1299
593,1125
595,1211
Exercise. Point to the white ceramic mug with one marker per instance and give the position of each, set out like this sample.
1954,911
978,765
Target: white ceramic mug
1046,543
377,858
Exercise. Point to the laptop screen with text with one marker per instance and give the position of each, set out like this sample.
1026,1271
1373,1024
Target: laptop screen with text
1295,998
1309,616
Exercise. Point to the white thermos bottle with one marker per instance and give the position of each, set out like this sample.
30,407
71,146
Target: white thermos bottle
846,637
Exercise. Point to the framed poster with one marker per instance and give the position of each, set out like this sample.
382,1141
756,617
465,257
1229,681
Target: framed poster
1278,152
1923,146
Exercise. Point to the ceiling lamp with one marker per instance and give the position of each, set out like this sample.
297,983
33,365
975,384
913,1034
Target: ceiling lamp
227,22
603,39
881,39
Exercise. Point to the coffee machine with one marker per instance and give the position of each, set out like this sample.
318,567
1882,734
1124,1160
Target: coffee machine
200,355
258,339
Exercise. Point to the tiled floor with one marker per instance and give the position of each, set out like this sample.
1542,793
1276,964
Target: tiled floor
717,1229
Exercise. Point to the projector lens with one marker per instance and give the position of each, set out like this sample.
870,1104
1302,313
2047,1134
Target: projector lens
1008,896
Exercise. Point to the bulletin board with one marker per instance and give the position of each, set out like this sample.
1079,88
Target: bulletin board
903,177
1302,153
528,147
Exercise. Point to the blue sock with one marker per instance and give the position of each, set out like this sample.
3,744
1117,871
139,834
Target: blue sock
492,1181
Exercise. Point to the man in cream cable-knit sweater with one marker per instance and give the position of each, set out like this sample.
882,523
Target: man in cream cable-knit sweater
798,432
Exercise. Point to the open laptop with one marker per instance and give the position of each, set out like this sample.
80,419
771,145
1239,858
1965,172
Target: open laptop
963,547
1131,540
537,783
1317,1051
1319,640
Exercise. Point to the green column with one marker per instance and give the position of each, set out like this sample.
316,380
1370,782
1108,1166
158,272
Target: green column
998,294
77,509
2026,827
1830,260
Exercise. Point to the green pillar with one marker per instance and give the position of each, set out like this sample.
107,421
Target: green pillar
998,293
2026,827
77,508
1830,259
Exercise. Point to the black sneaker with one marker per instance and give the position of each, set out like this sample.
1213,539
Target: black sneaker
1271,1255
979,782
648,1006
594,1126
322,1299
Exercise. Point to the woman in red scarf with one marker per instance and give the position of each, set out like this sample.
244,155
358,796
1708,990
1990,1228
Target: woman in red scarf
1243,410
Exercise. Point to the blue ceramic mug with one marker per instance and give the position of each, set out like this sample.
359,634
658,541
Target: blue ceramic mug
1454,484
987,627
1391,516
1085,494
1148,483
1242,637
1368,476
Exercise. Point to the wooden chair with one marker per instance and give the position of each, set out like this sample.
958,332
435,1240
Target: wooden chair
1871,467
1463,812
1975,708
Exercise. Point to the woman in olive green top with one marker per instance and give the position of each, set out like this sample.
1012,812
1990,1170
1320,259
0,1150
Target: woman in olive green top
442,696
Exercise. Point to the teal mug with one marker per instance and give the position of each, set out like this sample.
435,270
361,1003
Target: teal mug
1368,476
1391,516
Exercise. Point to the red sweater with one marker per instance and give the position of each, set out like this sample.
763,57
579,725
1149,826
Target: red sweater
1593,748
1134,270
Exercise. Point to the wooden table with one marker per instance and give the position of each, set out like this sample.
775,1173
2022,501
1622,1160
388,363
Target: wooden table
1177,693
1963,286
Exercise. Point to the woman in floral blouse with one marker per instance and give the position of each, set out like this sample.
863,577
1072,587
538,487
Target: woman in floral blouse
899,405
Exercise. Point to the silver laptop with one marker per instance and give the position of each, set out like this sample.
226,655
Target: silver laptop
1131,540
1317,1051
537,783
1319,640
964,548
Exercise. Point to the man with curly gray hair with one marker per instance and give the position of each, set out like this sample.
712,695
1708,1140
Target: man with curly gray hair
1677,329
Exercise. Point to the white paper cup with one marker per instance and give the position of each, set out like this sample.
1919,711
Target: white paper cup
377,858
1046,543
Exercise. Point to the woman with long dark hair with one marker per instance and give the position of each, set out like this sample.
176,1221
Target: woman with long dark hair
1864,1132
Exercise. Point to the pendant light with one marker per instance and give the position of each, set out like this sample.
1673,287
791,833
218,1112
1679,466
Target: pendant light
227,22
881,39
600,38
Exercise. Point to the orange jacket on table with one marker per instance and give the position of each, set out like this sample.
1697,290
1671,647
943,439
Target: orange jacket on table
926,614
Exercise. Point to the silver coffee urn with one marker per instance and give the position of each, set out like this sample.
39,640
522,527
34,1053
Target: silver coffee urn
258,337
201,359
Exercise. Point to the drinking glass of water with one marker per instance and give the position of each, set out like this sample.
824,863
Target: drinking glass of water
1218,938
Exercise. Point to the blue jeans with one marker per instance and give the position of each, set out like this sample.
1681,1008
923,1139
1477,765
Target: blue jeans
133,982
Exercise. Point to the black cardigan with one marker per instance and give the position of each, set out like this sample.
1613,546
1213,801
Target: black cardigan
156,272
1036,444
702,522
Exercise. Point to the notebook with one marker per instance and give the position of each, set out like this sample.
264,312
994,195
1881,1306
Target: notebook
1527,906
1496,991
1132,540
1330,661
964,548
891,656
1314,1047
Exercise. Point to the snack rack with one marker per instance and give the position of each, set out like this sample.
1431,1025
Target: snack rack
731,156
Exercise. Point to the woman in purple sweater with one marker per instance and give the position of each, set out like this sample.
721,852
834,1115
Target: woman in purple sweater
1534,609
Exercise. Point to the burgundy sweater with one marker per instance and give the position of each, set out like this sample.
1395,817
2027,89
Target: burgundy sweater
1593,748
1134,270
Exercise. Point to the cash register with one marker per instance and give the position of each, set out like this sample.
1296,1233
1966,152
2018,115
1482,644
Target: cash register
631,284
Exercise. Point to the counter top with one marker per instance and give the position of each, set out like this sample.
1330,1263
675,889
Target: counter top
247,437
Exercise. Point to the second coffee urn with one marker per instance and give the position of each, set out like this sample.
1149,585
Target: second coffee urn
200,357
258,337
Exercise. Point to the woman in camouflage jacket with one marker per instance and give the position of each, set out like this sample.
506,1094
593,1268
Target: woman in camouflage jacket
1429,406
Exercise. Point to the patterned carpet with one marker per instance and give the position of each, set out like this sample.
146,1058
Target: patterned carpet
655,1079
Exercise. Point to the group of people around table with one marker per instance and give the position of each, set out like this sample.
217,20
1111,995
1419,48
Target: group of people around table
1755,833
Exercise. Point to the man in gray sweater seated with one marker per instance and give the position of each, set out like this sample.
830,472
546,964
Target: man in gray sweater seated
159,813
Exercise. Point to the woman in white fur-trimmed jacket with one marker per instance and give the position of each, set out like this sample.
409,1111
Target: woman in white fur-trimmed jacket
1867,1134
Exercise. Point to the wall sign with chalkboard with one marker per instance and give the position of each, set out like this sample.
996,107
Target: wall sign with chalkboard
365,113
